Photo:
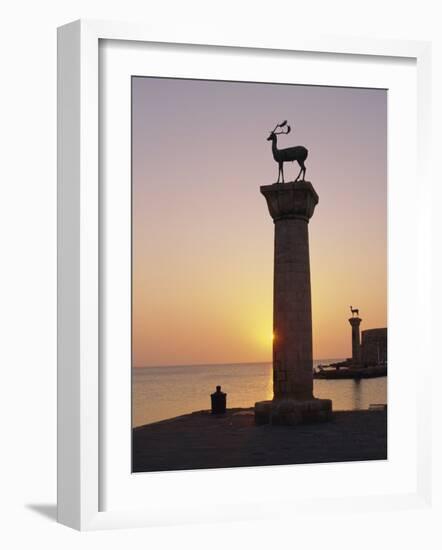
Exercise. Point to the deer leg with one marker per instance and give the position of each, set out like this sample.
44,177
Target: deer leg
302,171
281,169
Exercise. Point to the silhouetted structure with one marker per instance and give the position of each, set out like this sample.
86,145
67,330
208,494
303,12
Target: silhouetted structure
374,346
355,340
371,350
368,355
218,401
291,205
298,153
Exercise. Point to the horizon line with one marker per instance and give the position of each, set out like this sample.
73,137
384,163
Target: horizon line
223,364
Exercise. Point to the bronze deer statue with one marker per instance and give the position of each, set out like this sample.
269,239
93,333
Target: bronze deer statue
354,311
298,153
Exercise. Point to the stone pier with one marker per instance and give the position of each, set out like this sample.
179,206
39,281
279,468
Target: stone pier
291,205
355,340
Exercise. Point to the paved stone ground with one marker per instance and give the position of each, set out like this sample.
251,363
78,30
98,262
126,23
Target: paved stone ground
202,440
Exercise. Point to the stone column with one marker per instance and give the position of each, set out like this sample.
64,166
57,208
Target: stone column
355,341
291,205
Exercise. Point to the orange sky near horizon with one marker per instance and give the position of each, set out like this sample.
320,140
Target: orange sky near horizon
202,234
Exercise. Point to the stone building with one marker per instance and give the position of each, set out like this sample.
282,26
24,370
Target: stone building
374,346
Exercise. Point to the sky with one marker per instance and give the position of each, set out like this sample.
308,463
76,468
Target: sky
203,238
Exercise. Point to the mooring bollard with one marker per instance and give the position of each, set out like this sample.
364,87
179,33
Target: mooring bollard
218,401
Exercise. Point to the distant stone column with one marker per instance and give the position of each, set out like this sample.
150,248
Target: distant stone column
291,205
355,340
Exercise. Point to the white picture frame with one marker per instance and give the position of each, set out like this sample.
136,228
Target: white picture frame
80,391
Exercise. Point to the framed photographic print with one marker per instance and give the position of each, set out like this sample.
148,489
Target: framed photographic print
235,246
203,316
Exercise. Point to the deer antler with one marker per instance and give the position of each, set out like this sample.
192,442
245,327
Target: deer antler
288,129
279,125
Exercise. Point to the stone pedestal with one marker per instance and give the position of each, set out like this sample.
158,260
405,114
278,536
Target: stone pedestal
291,205
289,412
355,341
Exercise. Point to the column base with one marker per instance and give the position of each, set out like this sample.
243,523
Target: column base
290,412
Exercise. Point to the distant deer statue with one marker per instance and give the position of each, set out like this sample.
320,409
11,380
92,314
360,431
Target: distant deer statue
298,153
354,311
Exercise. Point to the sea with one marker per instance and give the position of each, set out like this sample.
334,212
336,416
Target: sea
168,391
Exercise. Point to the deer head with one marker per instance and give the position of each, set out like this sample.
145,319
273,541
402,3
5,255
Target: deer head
285,129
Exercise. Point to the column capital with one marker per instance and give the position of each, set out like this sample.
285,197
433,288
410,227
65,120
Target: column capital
285,201
355,321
